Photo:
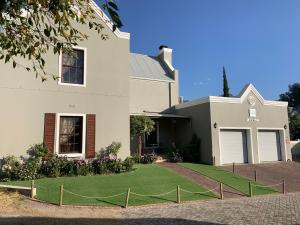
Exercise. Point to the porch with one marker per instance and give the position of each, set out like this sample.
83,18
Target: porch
167,133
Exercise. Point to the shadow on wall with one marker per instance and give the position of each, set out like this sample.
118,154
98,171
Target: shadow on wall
86,221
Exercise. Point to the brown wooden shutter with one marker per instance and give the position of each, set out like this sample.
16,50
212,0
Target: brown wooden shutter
49,131
90,136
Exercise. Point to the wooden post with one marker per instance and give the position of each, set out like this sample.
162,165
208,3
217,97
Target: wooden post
178,194
283,187
221,191
32,189
233,167
255,175
61,195
127,199
250,189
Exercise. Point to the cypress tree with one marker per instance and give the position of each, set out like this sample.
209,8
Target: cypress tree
225,85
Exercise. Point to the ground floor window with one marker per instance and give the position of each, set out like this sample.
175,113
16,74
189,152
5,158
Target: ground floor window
152,140
70,134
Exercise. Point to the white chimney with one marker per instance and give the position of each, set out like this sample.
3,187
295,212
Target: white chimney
165,54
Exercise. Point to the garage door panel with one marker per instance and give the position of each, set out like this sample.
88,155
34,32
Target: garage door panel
269,145
233,146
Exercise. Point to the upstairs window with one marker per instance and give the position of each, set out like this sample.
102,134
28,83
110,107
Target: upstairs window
73,67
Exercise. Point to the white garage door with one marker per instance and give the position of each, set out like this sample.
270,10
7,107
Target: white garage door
233,146
269,145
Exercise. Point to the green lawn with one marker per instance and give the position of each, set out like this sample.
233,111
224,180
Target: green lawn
145,179
228,178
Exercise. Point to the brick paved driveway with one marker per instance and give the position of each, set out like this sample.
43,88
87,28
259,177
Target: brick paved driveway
272,209
272,173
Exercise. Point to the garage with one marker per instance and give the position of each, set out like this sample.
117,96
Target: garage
233,146
269,145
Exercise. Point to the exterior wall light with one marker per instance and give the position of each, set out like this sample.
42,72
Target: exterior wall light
215,125
285,126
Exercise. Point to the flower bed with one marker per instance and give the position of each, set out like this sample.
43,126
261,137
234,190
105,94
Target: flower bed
39,164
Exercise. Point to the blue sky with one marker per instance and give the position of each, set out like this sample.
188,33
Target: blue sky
257,41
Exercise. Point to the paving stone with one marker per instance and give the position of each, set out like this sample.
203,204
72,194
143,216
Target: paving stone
271,209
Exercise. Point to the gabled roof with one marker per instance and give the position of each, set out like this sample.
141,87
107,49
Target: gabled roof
148,67
237,99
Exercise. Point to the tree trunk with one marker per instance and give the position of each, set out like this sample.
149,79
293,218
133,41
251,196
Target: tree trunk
140,147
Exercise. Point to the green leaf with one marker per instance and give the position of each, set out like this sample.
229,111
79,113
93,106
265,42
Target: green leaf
7,58
30,21
47,32
115,18
113,5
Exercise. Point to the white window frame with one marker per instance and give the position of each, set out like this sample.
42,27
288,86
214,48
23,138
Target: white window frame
84,49
71,155
157,137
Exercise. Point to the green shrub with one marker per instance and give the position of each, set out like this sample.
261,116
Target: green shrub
110,151
175,157
128,164
114,166
135,158
98,167
67,168
148,158
39,163
113,149
9,168
81,167
28,170
37,151
191,152
52,166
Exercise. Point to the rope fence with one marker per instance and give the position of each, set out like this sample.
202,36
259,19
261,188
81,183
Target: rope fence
204,192
158,195
92,197
127,194
267,186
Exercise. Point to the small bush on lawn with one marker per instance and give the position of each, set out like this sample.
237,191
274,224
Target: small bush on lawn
148,158
128,164
37,152
135,158
53,166
82,167
28,170
9,167
67,168
175,156
107,161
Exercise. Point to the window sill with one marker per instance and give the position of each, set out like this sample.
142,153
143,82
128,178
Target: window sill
72,85
72,155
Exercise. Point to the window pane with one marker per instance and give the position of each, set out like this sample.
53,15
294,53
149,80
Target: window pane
73,67
70,134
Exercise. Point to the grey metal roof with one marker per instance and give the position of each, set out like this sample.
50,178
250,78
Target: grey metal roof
148,67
